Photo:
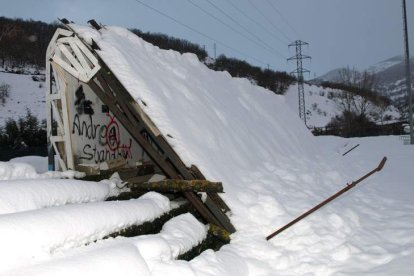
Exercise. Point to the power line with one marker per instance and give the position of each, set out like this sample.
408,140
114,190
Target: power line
282,16
244,28
271,50
198,32
261,26
268,20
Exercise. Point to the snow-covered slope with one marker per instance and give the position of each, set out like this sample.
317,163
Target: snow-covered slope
272,170
323,104
25,94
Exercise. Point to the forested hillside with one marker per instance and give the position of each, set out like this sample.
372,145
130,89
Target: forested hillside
24,42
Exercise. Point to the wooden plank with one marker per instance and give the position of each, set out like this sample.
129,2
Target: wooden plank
175,185
219,214
113,164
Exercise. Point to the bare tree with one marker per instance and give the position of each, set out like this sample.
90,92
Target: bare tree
4,92
366,85
357,97
349,77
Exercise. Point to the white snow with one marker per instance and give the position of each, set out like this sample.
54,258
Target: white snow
143,255
39,163
32,236
24,195
16,170
272,170
124,259
25,94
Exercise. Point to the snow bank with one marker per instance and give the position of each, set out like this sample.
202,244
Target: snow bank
183,233
12,171
31,236
122,260
152,252
23,195
37,162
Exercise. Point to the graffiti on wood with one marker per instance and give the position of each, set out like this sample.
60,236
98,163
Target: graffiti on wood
101,136
83,106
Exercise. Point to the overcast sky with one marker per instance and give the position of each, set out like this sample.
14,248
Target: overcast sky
357,33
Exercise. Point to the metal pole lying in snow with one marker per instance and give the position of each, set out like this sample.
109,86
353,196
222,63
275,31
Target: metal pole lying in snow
348,187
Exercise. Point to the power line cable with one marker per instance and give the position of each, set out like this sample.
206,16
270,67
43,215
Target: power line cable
244,28
254,21
271,50
198,32
282,16
268,20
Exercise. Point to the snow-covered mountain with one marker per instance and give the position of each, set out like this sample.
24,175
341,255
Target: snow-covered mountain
385,64
391,80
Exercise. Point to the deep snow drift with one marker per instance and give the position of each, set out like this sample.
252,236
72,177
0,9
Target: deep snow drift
272,170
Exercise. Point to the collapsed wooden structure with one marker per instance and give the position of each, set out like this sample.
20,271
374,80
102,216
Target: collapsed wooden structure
96,126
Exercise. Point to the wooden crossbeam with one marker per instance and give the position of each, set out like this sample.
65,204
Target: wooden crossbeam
176,185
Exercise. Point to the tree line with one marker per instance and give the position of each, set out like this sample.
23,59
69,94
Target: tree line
26,131
24,42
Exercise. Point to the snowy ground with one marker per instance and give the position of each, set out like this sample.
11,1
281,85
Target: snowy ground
368,231
25,94
272,170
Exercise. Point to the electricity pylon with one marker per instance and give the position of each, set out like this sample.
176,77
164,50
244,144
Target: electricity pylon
299,73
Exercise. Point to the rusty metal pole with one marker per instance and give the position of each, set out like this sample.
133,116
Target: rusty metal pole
348,187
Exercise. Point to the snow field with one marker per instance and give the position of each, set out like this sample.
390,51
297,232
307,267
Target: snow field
32,236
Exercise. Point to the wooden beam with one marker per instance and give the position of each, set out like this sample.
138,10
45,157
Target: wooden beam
176,185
